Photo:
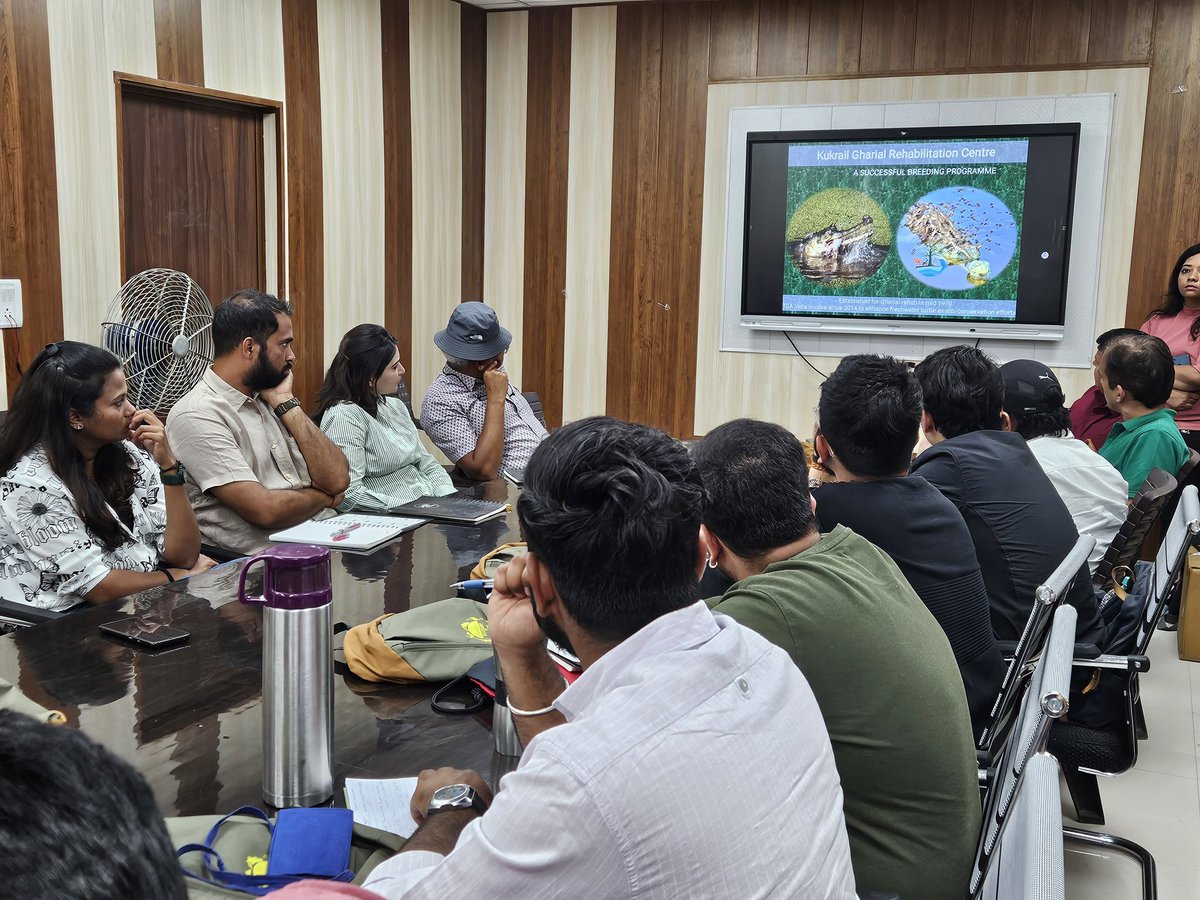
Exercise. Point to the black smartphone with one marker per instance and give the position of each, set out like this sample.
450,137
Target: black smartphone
154,636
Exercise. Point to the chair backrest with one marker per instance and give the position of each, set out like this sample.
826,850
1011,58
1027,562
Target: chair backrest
1186,469
535,403
1044,701
1029,862
1169,562
405,396
1126,544
1047,598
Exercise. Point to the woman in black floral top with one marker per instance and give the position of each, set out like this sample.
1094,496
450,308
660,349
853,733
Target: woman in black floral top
85,514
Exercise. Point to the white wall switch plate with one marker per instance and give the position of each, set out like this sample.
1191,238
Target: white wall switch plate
11,311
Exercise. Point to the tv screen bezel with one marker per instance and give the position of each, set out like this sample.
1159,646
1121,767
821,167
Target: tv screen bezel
914,325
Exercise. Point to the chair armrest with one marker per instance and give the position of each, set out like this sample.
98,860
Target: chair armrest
1132,663
879,895
1086,651
1007,648
23,612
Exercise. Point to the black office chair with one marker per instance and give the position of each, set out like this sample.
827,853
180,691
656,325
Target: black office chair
1047,599
1144,512
1083,752
22,615
405,396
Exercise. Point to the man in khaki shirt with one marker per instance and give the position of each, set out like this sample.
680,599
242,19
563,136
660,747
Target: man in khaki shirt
255,462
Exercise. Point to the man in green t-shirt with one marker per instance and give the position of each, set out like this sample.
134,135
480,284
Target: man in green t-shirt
879,664
1137,377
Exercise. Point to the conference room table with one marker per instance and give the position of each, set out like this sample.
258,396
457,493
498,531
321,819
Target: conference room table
190,718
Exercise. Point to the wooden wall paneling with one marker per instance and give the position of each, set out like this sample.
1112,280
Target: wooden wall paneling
1120,31
504,199
733,54
888,37
941,42
835,37
305,215
1059,33
635,168
546,155
29,235
1165,223
435,72
474,142
1128,87
179,38
397,177
243,47
999,33
352,162
783,37
589,210
88,42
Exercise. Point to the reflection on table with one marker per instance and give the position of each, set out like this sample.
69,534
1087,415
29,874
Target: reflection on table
189,718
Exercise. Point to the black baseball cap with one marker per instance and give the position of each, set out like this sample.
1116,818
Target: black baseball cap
1030,387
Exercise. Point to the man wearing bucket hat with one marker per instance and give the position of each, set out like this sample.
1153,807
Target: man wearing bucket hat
471,411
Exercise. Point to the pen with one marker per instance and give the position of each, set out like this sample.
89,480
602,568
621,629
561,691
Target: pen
341,535
473,584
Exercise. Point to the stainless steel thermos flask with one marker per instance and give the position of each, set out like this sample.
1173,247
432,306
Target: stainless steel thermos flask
297,673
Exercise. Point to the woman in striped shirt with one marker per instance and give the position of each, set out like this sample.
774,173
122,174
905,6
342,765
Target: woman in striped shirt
358,409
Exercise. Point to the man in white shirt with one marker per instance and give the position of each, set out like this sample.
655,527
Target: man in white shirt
1090,487
688,760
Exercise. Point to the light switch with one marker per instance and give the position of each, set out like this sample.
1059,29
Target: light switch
11,311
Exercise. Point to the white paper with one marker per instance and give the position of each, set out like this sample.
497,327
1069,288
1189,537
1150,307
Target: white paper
382,803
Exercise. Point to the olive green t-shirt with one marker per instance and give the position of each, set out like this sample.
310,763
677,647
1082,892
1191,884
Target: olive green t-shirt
885,678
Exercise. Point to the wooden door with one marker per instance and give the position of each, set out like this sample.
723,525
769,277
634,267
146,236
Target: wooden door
192,185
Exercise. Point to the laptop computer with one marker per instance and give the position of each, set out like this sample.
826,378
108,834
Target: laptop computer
456,508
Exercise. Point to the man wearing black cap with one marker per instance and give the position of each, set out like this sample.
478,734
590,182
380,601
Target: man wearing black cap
470,411
1092,489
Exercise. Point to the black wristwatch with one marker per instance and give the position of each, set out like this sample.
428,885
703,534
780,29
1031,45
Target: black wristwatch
456,796
286,406
173,475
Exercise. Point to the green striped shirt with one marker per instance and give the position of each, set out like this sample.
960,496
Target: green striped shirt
388,463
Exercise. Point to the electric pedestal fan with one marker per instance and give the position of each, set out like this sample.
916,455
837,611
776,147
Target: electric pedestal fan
160,326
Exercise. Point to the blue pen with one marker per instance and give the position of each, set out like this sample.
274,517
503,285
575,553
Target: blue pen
473,584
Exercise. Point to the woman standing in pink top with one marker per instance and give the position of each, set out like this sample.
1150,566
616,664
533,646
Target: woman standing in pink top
1177,322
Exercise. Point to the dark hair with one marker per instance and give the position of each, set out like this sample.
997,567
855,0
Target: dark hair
755,486
363,354
76,821
1056,422
244,314
870,412
1173,301
1141,364
613,510
66,376
963,390
1112,334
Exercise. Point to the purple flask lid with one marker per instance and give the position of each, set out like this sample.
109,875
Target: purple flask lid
295,576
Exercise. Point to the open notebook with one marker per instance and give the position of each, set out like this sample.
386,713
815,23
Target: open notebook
348,531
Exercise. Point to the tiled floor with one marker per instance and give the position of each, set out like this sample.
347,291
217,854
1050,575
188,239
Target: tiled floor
1157,803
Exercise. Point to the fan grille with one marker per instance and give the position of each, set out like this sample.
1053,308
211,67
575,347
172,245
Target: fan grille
160,326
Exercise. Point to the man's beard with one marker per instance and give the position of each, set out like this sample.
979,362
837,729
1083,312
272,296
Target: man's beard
265,376
552,631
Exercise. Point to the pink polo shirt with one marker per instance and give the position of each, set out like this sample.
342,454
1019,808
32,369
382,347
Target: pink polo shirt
1176,332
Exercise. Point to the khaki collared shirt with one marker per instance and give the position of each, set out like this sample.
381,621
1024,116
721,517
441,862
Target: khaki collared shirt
222,436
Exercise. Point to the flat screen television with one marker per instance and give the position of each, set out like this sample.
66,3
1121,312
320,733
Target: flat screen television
962,231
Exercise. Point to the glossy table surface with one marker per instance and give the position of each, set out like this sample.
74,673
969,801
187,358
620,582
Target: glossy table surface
190,718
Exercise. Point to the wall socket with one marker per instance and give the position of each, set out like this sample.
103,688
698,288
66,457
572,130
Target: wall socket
12,313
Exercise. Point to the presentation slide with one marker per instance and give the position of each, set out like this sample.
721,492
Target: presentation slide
904,229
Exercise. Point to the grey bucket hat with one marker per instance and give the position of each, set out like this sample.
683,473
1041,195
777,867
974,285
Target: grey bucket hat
473,333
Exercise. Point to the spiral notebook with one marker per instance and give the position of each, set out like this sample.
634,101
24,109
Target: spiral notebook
348,531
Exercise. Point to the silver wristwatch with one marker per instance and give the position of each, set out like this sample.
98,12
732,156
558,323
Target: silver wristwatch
456,796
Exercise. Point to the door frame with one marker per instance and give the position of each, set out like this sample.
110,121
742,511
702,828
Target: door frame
200,96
